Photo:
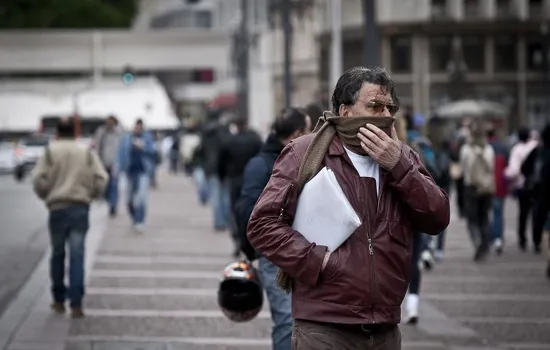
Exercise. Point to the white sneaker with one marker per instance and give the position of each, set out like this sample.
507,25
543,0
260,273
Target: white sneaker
498,245
427,260
140,228
411,308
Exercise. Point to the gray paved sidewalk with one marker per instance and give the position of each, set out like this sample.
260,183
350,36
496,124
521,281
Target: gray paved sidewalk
157,290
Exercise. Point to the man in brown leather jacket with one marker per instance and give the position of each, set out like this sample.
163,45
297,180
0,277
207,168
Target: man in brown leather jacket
350,298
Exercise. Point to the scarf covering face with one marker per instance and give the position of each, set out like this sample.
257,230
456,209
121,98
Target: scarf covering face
327,127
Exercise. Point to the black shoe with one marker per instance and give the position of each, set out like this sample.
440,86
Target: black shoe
112,212
537,249
480,255
522,246
58,307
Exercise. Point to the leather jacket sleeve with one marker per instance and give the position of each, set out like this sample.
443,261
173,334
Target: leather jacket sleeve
428,204
269,229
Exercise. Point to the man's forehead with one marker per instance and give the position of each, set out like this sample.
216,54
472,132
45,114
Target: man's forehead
375,92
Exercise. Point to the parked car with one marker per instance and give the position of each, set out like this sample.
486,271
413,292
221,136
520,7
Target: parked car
27,151
7,158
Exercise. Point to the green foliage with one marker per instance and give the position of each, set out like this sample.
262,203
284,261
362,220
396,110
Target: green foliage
36,14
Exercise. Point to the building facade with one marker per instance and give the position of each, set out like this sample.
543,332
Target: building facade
441,50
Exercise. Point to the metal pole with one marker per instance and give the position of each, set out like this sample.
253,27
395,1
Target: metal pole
371,39
336,44
243,61
287,30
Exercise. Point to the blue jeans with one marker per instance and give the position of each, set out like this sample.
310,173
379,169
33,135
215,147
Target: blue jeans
68,225
219,198
497,224
111,192
280,305
138,187
202,184
440,239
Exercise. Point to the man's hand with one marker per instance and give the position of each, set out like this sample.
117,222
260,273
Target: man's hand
138,143
385,150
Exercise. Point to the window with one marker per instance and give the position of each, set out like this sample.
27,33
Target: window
471,8
505,8
440,53
202,76
203,19
535,53
439,8
473,50
506,58
535,8
401,54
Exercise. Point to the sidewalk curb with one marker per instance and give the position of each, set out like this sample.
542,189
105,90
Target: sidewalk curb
19,310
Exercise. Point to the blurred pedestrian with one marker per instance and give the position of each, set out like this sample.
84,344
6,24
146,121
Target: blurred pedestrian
457,173
68,177
175,153
351,296
137,157
106,142
516,179
477,160
212,136
536,171
236,150
501,190
315,111
157,161
289,125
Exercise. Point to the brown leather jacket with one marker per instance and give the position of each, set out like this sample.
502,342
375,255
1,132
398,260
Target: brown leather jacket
366,278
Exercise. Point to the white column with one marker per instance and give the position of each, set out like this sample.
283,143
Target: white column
336,43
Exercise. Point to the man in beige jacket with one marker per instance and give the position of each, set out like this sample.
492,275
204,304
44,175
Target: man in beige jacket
68,177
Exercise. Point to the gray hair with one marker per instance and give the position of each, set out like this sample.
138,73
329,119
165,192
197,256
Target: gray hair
349,85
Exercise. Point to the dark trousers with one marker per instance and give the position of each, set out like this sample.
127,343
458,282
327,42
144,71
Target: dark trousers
416,274
460,198
308,335
525,202
68,226
477,214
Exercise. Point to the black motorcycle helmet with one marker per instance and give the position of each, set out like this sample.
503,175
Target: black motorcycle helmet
240,294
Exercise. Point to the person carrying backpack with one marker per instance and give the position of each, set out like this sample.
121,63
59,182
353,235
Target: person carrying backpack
477,159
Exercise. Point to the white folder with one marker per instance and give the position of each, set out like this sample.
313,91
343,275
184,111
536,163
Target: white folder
324,215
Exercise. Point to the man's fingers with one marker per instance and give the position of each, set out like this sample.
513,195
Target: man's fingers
378,132
368,142
371,136
394,133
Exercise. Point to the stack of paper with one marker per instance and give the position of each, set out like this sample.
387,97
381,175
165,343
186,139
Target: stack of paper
324,215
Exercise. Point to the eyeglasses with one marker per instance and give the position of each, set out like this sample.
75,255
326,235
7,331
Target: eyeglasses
379,106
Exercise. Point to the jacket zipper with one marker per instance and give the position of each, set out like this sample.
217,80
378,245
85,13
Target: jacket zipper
371,260
371,253
285,202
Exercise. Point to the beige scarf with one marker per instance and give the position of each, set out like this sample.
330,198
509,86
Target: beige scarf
329,125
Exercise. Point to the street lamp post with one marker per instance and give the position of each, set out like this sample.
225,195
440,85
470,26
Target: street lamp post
457,69
287,32
336,43
241,43
371,36
545,66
